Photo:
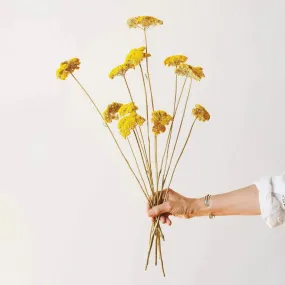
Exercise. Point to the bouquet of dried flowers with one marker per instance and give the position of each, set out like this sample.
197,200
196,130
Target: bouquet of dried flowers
151,173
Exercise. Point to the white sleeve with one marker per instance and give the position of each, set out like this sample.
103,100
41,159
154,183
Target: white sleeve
272,199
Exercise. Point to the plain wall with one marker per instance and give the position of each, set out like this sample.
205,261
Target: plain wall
70,211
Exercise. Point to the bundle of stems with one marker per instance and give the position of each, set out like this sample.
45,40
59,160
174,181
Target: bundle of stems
152,175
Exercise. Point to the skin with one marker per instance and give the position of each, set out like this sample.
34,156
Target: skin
244,201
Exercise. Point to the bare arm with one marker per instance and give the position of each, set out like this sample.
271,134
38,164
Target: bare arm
244,201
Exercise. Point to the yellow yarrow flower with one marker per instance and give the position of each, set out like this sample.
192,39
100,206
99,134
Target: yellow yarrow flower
158,129
183,69
201,113
67,67
128,123
160,119
120,70
111,112
136,56
126,109
197,73
175,60
143,22
187,70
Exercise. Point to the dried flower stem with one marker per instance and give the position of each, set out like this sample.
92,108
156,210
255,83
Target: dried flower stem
153,232
156,229
149,172
147,70
138,167
184,146
117,144
147,118
156,245
125,79
145,152
160,255
151,95
144,156
180,127
143,143
139,147
156,166
174,105
170,130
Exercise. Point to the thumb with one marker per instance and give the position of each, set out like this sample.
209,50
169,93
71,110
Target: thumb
158,210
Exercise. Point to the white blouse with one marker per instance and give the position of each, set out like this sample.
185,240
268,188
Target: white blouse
272,199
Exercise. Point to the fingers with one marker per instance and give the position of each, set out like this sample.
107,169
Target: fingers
164,195
160,209
147,209
147,206
165,219
168,221
162,219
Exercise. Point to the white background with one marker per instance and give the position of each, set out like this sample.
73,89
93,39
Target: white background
70,211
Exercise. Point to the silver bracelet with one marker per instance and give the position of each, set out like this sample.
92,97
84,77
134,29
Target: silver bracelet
207,204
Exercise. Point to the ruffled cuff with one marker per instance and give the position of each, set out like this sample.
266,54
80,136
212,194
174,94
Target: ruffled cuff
272,200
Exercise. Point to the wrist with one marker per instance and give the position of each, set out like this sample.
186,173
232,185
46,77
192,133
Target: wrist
198,207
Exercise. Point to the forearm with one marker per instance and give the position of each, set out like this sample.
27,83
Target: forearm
244,201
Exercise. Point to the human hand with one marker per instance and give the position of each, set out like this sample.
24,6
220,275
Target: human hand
175,205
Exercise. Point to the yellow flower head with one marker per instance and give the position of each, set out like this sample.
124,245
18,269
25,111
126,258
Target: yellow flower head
158,129
175,60
143,22
187,70
183,69
197,73
160,119
67,67
126,109
201,113
136,56
128,123
120,70
111,112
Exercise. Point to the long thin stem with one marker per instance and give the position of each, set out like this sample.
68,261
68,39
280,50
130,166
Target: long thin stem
148,163
154,228
175,93
147,70
141,153
144,156
151,95
117,144
138,167
130,93
170,129
141,144
160,255
152,102
156,248
156,165
125,79
149,250
179,157
147,111
180,127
